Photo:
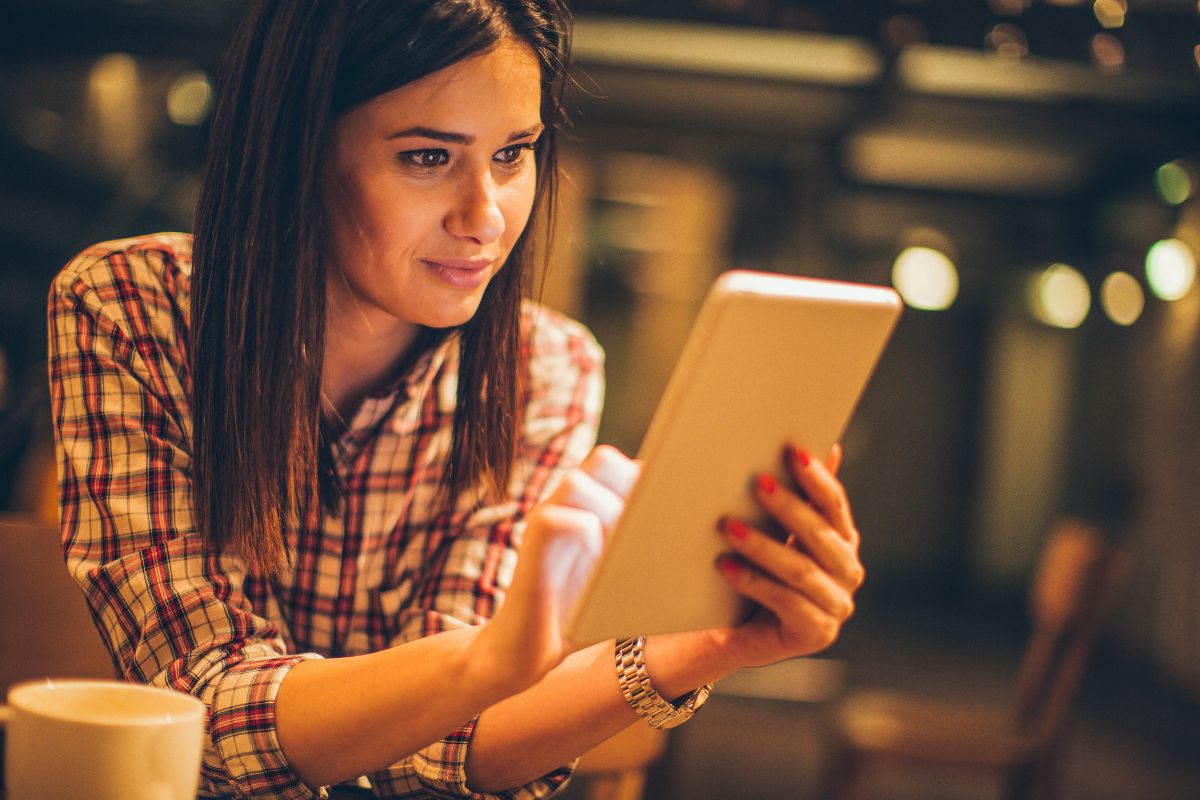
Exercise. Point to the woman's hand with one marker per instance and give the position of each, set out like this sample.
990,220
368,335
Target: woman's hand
804,585
563,539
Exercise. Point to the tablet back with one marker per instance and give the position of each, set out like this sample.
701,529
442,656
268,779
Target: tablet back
771,359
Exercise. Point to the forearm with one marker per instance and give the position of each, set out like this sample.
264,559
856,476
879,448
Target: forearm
339,718
577,706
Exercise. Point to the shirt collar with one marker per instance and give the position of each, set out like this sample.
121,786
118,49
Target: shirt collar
416,379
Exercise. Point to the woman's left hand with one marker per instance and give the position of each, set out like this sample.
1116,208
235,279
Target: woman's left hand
805,585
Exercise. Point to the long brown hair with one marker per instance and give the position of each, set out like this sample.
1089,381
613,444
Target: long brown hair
258,295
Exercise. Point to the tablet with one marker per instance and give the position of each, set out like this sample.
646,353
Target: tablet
771,359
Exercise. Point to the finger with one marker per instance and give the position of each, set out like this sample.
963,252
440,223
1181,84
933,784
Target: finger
834,461
823,490
567,536
558,555
794,610
789,567
580,490
555,529
612,468
836,553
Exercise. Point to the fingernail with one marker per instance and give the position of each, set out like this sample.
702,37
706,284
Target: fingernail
737,529
729,567
766,484
802,458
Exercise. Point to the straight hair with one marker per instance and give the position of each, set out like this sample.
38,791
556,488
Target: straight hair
258,287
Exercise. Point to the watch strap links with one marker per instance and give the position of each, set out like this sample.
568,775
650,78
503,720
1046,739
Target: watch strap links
641,694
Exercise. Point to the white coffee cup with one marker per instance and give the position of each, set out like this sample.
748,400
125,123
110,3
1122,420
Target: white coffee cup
102,740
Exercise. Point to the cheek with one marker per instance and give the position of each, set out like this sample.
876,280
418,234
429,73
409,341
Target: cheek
517,206
350,219
376,223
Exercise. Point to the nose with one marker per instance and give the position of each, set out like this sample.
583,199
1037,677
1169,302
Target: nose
476,213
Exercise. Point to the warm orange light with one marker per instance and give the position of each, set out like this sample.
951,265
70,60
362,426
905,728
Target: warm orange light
1122,298
1108,52
1008,41
1110,13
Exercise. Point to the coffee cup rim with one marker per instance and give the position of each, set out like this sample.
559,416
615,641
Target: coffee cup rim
176,706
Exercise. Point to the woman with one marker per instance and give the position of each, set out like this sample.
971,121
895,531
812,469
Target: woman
298,456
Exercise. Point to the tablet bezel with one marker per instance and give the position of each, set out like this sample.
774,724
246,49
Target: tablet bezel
641,584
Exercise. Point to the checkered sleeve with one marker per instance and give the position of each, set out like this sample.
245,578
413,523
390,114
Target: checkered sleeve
473,566
171,612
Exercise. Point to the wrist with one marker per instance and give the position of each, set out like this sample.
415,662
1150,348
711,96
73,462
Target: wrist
641,694
679,662
500,670
721,648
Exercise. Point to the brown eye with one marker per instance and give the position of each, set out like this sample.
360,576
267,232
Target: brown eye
425,159
514,155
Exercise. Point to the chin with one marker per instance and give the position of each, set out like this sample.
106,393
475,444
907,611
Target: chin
450,317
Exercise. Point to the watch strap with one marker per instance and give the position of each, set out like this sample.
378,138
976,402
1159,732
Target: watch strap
641,694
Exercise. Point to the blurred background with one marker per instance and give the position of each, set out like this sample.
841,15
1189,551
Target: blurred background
1025,172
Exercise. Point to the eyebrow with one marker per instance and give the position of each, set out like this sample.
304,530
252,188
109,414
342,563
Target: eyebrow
457,138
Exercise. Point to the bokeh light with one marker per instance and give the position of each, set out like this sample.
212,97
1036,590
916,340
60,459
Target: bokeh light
1060,297
926,278
1107,52
1110,13
42,129
1008,8
114,91
113,73
902,30
1175,182
1170,269
1122,298
189,98
1007,41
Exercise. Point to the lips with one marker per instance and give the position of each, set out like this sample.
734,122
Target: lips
464,273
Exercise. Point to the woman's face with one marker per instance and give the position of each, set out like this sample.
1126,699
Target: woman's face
428,188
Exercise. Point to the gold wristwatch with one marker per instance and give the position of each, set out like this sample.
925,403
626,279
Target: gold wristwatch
635,685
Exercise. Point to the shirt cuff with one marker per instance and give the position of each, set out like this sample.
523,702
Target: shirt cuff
242,729
441,770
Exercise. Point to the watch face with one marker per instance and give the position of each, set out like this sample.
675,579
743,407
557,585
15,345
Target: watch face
677,719
688,707
700,697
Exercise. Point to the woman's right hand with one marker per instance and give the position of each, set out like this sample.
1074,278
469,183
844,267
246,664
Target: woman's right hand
563,538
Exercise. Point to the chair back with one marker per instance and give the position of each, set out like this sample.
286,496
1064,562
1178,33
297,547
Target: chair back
46,629
1074,584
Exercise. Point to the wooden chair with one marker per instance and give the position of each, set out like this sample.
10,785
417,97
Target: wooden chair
616,769
1074,584
46,629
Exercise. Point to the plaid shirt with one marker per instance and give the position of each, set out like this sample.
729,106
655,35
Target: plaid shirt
382,571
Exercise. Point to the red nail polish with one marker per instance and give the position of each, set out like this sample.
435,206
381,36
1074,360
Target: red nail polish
737,529
730,567
766,484
802,458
